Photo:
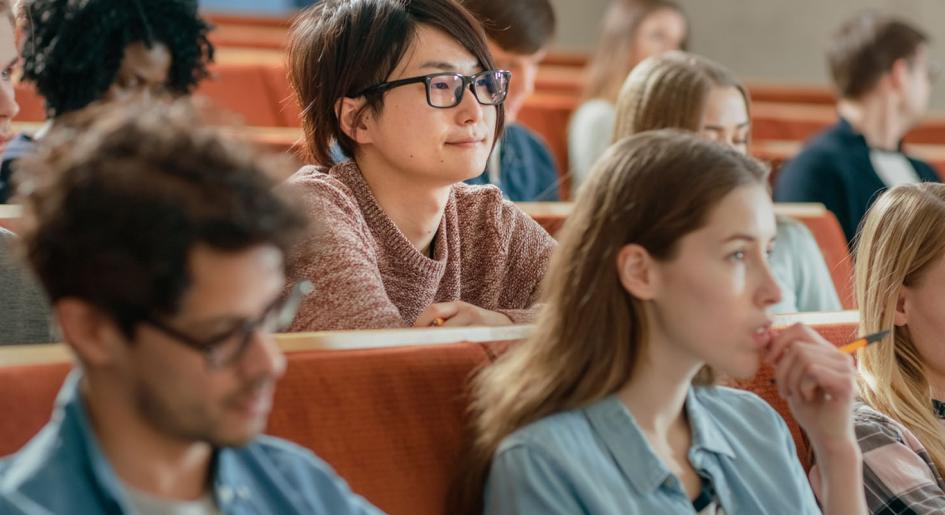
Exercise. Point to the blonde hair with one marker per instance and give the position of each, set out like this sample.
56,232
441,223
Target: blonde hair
591,330
670,91
611,63
902,235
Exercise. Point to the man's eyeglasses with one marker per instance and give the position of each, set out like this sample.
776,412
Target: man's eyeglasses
445,90
228,347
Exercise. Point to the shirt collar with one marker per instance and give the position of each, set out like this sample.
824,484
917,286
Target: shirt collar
623,438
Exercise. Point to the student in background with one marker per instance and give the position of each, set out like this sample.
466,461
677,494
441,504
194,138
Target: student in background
900,419
161,245
77,53
881,69
519,34
686,91
24,315
660,284
631,31
409,90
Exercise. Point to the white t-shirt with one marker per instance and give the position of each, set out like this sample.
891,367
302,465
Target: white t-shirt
147,504
893,168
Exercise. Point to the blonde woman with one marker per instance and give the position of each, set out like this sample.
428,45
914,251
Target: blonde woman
632,30
661,281
900,423
686,91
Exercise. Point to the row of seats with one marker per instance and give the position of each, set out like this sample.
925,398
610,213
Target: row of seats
819,220
259,92
552,215
387,409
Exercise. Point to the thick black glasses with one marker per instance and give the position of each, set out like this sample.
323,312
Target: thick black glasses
445,90
228,347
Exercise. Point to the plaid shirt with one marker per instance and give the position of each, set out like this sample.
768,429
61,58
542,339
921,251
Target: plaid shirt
898,474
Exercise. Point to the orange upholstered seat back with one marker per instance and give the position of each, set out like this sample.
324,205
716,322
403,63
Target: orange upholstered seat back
242,89
31,104
391,421
27,395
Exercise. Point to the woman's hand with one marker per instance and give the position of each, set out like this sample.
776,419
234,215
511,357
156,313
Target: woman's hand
818,382
459,314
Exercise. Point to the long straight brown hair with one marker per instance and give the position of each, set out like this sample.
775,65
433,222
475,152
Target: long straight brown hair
611,63
591,330
902,235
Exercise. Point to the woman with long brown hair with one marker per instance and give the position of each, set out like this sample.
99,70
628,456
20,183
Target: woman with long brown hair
900,419
631,31
661,282
678,90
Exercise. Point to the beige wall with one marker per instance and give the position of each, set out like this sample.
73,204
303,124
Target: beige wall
763,40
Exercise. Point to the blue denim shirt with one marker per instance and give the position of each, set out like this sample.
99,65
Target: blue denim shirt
527,170
62,471
596,460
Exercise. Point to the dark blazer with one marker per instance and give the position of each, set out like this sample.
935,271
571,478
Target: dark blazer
835,169
528,171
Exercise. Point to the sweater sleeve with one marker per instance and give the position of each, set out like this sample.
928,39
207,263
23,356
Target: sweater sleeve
529,253
338,257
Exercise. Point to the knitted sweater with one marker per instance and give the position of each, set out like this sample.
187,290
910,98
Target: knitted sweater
368,275
24,313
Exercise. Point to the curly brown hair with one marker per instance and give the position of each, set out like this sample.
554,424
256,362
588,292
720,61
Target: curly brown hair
118,197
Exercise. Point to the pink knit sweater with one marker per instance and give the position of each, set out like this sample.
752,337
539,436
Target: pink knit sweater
367,274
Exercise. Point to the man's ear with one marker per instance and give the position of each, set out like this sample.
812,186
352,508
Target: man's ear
354,126
898,75
637,271
901,317
95,338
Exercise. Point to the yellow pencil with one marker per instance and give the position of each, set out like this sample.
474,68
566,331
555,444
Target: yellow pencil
856,345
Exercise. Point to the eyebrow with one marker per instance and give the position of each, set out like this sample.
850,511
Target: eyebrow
740,237
445,66
742,125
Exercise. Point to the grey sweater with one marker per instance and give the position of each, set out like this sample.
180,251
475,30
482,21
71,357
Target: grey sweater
24,312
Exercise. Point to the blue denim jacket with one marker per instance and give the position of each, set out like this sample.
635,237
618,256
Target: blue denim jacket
527,170
62,471
596,460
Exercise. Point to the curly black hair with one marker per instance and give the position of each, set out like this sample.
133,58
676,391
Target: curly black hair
74,48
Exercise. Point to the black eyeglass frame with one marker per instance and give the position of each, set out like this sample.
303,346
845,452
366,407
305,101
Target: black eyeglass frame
285,308
468,82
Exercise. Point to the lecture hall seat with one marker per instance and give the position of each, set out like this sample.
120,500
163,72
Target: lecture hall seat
387,409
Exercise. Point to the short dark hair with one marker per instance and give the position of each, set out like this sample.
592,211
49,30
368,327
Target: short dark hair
74,49
866,47
117,198
520,26
340,47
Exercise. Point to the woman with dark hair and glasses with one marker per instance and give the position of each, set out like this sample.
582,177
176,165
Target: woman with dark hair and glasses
408,89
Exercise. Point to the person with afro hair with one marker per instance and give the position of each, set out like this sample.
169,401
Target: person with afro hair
77,52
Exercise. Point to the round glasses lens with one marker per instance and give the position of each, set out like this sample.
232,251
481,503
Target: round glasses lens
445,89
